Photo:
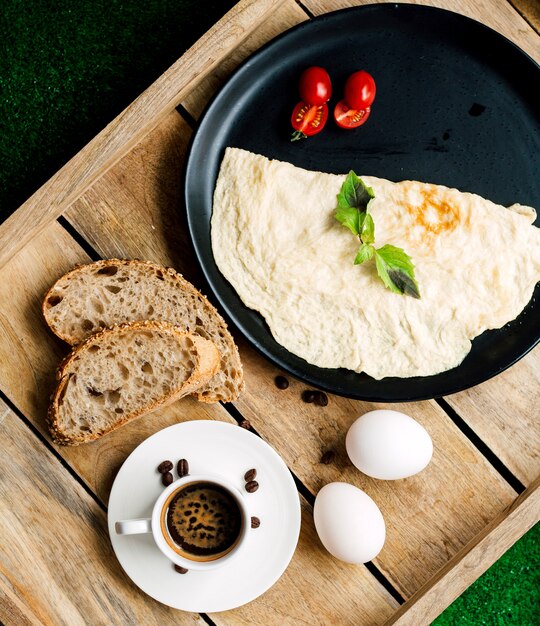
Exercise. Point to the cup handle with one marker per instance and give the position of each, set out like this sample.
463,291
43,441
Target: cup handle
133,527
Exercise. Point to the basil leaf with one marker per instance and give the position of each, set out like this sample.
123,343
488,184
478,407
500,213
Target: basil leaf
365,253
354,193
396,270
367,234
349,217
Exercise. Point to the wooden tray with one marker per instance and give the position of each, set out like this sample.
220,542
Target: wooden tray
121,196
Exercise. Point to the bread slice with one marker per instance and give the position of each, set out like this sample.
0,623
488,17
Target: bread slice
102,294
124,372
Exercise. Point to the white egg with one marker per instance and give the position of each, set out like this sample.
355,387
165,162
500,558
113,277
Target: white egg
388,445
348,522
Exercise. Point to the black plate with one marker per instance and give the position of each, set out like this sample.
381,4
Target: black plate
457,104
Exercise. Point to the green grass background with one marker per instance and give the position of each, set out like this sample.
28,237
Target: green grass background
66,69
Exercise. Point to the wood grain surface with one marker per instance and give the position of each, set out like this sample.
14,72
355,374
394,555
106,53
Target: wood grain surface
126,130
429,516
13,610
530,10
505,412
497,14
285,16
456,499
56,564
473,560
316,590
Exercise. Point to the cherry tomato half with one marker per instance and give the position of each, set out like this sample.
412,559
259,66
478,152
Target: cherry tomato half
308,120
315,86
350,118
359,90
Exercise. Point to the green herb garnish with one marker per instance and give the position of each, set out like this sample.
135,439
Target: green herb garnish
394,266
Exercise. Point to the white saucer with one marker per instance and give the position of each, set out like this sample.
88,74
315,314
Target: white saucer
219,448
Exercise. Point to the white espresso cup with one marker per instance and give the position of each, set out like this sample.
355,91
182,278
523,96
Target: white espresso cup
157,524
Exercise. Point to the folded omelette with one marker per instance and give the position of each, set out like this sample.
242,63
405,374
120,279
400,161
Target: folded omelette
275,239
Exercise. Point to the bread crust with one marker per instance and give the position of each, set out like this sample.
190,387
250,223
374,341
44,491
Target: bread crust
225,394
197,379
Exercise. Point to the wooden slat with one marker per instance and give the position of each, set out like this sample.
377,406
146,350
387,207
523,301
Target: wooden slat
472,561
13,610
530,9
285,16
498,14
504,412
446,505
28,353
56,564
142,195
126,130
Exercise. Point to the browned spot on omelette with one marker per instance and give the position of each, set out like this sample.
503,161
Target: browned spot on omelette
433,211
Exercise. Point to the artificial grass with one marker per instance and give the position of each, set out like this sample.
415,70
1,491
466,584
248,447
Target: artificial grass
66,69
507,594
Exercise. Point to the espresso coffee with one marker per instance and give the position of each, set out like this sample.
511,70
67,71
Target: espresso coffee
201,521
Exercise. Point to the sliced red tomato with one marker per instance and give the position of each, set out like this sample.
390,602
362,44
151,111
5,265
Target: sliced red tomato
315,86
350,118
359,90
308,120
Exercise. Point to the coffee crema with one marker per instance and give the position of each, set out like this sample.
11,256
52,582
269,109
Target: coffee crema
201,521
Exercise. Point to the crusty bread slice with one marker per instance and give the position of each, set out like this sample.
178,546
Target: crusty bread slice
124,372
102,294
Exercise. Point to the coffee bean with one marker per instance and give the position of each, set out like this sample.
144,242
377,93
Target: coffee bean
321,399
308,396
166,478
252,486
328,457
255,522
180,569
245,424
164,467
281,382
250,475
182,468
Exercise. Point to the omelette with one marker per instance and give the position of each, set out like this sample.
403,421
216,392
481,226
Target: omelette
275,239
